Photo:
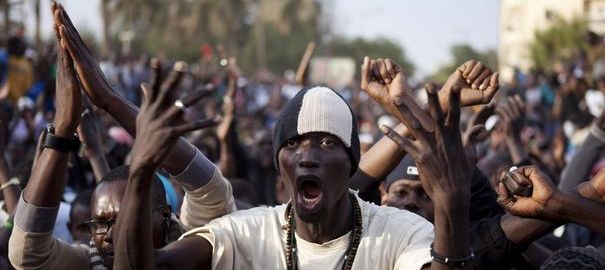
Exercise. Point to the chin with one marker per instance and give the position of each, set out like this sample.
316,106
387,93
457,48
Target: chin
310,217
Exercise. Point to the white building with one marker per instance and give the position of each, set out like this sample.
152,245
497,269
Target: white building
520,19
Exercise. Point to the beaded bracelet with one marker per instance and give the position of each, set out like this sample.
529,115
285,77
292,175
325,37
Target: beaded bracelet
457,263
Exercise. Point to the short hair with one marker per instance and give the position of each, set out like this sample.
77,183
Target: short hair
158,193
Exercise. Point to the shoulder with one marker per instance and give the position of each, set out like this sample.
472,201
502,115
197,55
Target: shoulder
391,217
245,220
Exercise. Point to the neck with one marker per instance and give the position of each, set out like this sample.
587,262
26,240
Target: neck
336,224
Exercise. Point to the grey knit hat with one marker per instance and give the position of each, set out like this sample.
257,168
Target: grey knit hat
318,109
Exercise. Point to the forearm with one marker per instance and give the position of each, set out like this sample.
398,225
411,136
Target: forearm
523,231
451,231
227,161
133,242
47,180
571,207
578,169
516,149
99,165
11,192
383,156
126,113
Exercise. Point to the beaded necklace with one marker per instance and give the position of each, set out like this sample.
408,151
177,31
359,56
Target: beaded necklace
291,249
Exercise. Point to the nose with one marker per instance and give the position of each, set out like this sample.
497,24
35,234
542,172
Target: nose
309,156
109,235
410,202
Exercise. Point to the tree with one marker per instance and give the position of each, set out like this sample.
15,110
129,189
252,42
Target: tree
461,53
561,41
380,47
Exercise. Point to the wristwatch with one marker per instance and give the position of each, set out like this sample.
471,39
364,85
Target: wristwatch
60,144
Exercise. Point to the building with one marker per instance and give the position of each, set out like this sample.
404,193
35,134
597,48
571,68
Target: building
520,19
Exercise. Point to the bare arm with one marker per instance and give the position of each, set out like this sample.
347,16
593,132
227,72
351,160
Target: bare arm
512,115
445,172
384,156
103,96
159,124
88,132
549,203
225,128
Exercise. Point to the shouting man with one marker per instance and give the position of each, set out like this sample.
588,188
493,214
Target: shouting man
325,225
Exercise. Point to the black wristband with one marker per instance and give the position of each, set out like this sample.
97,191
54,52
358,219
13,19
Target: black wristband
456,263
60,144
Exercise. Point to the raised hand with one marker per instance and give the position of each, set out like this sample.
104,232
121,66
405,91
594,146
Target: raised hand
233,74
512,115
68,99
478,82
439,154
93,80
444,170
534,204
470,139
594,189
384,81
159,124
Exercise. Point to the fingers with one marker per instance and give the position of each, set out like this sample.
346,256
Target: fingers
403,143
175,111
492,88
474,135
196,125
536,176
453,116
504,198
467,68
415,118
517,185
474,74
365,72
434,106
169,88
382,69
145,94
392,68
482,80
156,77
197,95
375,72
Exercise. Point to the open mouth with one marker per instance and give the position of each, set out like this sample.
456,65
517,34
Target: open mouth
310,193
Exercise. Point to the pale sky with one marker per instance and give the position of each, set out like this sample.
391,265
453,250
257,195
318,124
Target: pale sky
426,29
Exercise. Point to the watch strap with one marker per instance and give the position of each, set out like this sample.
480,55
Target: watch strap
61,144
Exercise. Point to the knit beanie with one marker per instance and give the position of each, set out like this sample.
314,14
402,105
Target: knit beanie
406,169
317,109
587,258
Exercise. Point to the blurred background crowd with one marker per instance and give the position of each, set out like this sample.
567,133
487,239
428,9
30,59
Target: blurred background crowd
558,71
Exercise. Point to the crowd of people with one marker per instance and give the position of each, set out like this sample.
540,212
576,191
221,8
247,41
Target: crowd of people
144,163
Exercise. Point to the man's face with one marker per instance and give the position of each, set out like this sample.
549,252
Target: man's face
409,195
105,208
315,168
77,226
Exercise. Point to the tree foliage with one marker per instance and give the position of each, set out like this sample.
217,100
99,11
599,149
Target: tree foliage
561,41
461,53
376,48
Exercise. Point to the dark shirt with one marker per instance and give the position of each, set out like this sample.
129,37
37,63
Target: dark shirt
492,248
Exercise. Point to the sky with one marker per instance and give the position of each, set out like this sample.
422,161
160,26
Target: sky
426,29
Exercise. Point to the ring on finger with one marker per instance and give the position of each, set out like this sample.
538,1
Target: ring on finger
179,104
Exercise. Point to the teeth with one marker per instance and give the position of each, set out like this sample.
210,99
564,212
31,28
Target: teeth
309,200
